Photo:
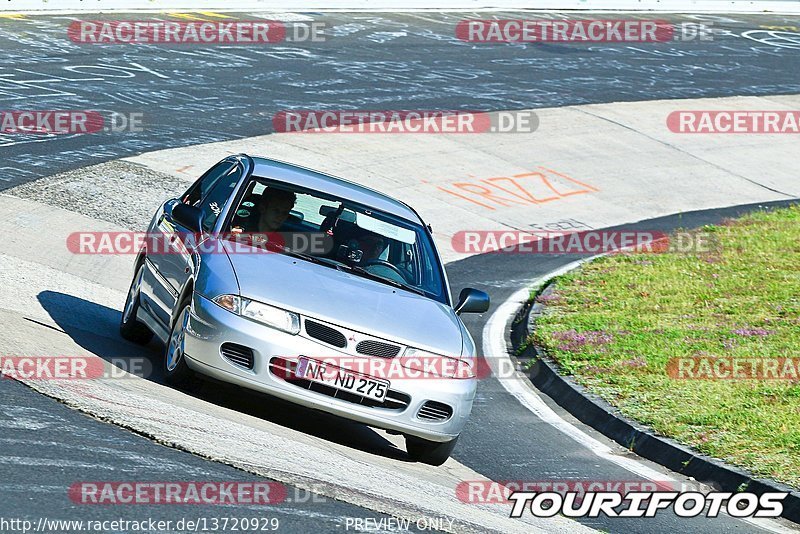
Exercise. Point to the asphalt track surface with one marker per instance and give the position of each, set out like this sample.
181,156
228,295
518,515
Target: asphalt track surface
195,94
48,447
509,440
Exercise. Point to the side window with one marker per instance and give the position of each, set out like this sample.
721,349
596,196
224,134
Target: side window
201,187
214,201
403,257
424,262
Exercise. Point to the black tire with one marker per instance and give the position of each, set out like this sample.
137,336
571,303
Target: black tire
129,327
176,371
429,452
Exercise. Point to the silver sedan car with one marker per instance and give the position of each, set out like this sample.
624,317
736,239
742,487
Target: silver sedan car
310,288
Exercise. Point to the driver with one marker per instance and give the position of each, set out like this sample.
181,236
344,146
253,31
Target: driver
371,245
274,207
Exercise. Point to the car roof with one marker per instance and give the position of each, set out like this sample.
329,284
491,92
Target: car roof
294,174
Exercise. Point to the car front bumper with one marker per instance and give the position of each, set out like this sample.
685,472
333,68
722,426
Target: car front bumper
210,326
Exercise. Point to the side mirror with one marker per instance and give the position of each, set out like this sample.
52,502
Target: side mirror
472,301
190,217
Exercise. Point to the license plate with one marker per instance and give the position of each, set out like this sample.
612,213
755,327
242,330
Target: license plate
325,373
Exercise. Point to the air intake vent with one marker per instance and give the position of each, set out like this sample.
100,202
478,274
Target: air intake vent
326,334
377,348
435,411
238,354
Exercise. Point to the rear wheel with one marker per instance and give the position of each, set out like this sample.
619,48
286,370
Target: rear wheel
429,452
131,328
176,372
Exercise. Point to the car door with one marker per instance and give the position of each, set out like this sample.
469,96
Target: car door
172,261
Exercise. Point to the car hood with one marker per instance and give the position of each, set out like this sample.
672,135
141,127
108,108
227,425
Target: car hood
348,300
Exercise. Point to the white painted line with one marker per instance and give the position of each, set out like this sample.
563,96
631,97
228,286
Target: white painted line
496,352
34,287
44,281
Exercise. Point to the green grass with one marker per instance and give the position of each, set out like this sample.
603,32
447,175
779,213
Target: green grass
637,311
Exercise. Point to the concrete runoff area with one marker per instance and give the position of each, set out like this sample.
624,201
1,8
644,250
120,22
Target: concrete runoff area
49,292
608,164
621,158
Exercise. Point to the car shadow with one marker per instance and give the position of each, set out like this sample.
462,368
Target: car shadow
95,328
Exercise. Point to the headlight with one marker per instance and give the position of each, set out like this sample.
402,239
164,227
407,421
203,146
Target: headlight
437,364
271,316
277,318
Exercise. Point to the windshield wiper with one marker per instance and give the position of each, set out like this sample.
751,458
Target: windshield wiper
389,281
313,259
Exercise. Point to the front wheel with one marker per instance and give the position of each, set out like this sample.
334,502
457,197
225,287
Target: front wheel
176,371
429,452
129,327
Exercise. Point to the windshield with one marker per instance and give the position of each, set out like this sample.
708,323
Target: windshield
340,234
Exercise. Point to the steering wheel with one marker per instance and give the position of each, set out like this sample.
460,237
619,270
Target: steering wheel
383,263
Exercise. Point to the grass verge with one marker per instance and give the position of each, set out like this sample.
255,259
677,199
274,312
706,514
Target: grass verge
623,325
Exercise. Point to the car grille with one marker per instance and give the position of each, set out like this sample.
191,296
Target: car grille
377,348
238,355
326,334
435,411
285,369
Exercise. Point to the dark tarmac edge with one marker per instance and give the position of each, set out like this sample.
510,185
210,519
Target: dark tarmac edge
600,415
115,426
